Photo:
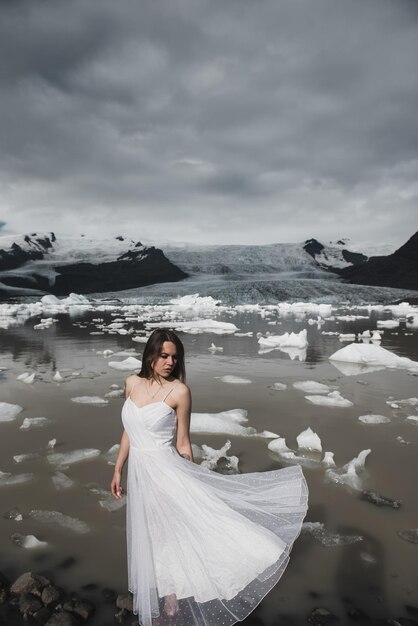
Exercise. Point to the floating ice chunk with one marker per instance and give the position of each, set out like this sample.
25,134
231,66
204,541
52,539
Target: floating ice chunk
34,422
374,419
292,340
14,514
302,308
403,441
328,460
89,400
413,419
51,444
376,336
366,334
75,456
412,321
235,380
106,352
6,478
278,446
214,348
130,364
409,402
350,474
61,481
56,517
111,454
326,537
115,393
368,354
225,422
28,541
197,327
279,386
387,323
140,339
378,500
194,301
8,412
107,502
211,458
308,440
409,534
57,377
26,378
29,456
311,386
249,334
347,337
332,399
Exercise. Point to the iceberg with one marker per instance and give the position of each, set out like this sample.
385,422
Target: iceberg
9,412
332,399
289,340
311,386
129,365
371,355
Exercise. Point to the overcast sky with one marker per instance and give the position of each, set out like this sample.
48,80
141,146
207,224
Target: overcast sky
214,121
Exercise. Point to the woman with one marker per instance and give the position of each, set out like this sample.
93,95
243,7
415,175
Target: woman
203,547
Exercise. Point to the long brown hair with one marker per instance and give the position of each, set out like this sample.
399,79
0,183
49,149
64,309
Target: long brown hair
153,349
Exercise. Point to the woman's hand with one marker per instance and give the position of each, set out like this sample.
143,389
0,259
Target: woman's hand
115,486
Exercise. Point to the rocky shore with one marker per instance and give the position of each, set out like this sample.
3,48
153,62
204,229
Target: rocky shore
34,600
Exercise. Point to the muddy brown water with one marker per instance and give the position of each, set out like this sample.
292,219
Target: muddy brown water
377,574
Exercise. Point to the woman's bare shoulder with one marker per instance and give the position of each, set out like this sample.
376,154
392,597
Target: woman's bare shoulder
130,380
182,390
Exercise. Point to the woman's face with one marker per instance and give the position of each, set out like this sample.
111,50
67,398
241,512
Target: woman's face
166,361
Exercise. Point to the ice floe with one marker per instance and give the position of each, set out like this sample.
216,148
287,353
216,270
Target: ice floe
9,412
115,393
7,478
371,355
58,518
413,419
288,340
130,364
308,440
89,400
334,399
74,456
28,541
197,327
409,534
351,474
387,323
61,481
279,386
234,380
226,423
106,501
34,422
211,457
26,378
311,386
57,377
214,348
28,456
327,538
111,454
374,419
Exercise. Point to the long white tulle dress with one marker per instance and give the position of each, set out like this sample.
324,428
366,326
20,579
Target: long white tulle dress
203,548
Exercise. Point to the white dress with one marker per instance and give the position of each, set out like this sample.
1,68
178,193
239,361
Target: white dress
203,548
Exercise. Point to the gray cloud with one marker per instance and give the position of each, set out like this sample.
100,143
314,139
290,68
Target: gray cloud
232,122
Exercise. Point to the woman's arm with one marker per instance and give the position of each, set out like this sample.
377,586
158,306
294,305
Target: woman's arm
115,486
183,410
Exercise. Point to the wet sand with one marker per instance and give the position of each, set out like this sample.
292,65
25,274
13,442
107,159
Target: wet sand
377,574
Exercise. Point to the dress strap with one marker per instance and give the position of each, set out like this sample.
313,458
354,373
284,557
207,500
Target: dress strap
132,388
166,396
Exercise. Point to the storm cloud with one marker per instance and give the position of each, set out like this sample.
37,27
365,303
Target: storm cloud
246,121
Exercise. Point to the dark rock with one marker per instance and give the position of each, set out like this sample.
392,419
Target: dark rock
42,615
412,610
378,500
67,563
358,615
29,583
125,601
313,247
29,604
63,618
51,595
399,269
321,616
82,608
353,257
13,514
4,588
109,594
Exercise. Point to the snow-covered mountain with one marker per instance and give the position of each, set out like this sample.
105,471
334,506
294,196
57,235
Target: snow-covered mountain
44,263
